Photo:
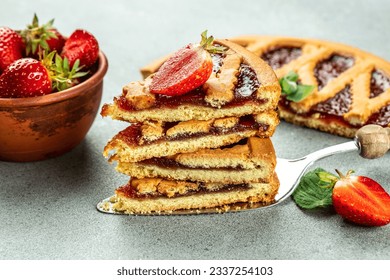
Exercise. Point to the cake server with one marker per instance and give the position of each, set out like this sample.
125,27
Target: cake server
371,141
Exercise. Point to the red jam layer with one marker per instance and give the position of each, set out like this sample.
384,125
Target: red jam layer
327,118
382,117
332,67
337,105
279,56
132,134
379,83
131,192
172,164
247,83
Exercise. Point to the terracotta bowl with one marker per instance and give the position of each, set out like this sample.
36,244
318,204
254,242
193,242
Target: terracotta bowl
43,127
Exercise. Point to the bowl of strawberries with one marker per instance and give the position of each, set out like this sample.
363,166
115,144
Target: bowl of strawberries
50,90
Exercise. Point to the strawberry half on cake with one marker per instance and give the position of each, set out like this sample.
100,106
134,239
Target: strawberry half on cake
205,103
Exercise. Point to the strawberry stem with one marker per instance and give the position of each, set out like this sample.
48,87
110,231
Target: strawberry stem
207,44
62,76
35,36
342,176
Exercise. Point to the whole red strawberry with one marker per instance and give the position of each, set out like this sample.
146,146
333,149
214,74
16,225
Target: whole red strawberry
81,45
25,77
361,200
11,47
41,38
57,42
187,69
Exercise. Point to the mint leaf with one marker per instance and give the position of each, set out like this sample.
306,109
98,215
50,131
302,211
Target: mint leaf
292,90
301,93
312,191
288,87
292,76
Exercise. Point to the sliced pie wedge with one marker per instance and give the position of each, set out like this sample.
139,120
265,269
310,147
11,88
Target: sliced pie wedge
241,84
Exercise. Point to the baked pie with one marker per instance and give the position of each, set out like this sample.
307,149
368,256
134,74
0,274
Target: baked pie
203,148
351,87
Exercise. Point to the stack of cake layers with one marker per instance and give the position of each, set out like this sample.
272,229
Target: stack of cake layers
207,148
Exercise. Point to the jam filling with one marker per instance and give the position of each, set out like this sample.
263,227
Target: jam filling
130,192
172,164
330,68
279,56
337,105
133,134
379,83
382,117
247,84
332,110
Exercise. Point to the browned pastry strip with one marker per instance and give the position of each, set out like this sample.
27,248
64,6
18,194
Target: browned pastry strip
157,195
253,161
155,139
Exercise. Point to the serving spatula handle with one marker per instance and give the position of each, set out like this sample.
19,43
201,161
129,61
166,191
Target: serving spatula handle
373,141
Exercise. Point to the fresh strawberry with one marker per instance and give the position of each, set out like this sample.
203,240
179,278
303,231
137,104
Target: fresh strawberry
41,38
11,47
187,69
56,43
25,77
81,45
28,77
361,200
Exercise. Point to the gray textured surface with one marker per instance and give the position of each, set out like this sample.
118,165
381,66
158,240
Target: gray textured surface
48,208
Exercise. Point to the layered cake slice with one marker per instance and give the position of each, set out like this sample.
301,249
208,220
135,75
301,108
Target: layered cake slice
199,132
143,196
249,162
240,84
156,139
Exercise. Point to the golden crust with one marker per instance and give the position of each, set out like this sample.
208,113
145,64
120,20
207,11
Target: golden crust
256,192
357,77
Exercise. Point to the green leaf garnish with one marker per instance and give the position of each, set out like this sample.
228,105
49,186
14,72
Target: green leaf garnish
315,189
292,90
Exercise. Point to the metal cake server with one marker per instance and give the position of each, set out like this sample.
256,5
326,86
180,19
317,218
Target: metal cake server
371,142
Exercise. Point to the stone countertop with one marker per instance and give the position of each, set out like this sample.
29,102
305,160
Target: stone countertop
48,207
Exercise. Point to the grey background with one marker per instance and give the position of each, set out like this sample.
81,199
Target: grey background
48,208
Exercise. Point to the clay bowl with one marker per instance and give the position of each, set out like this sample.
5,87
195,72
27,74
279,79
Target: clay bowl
43,127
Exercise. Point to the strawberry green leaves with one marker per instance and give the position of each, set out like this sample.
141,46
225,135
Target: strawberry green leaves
357,199
315,189
292,89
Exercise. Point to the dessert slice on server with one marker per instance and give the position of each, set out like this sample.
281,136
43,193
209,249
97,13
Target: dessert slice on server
199,132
